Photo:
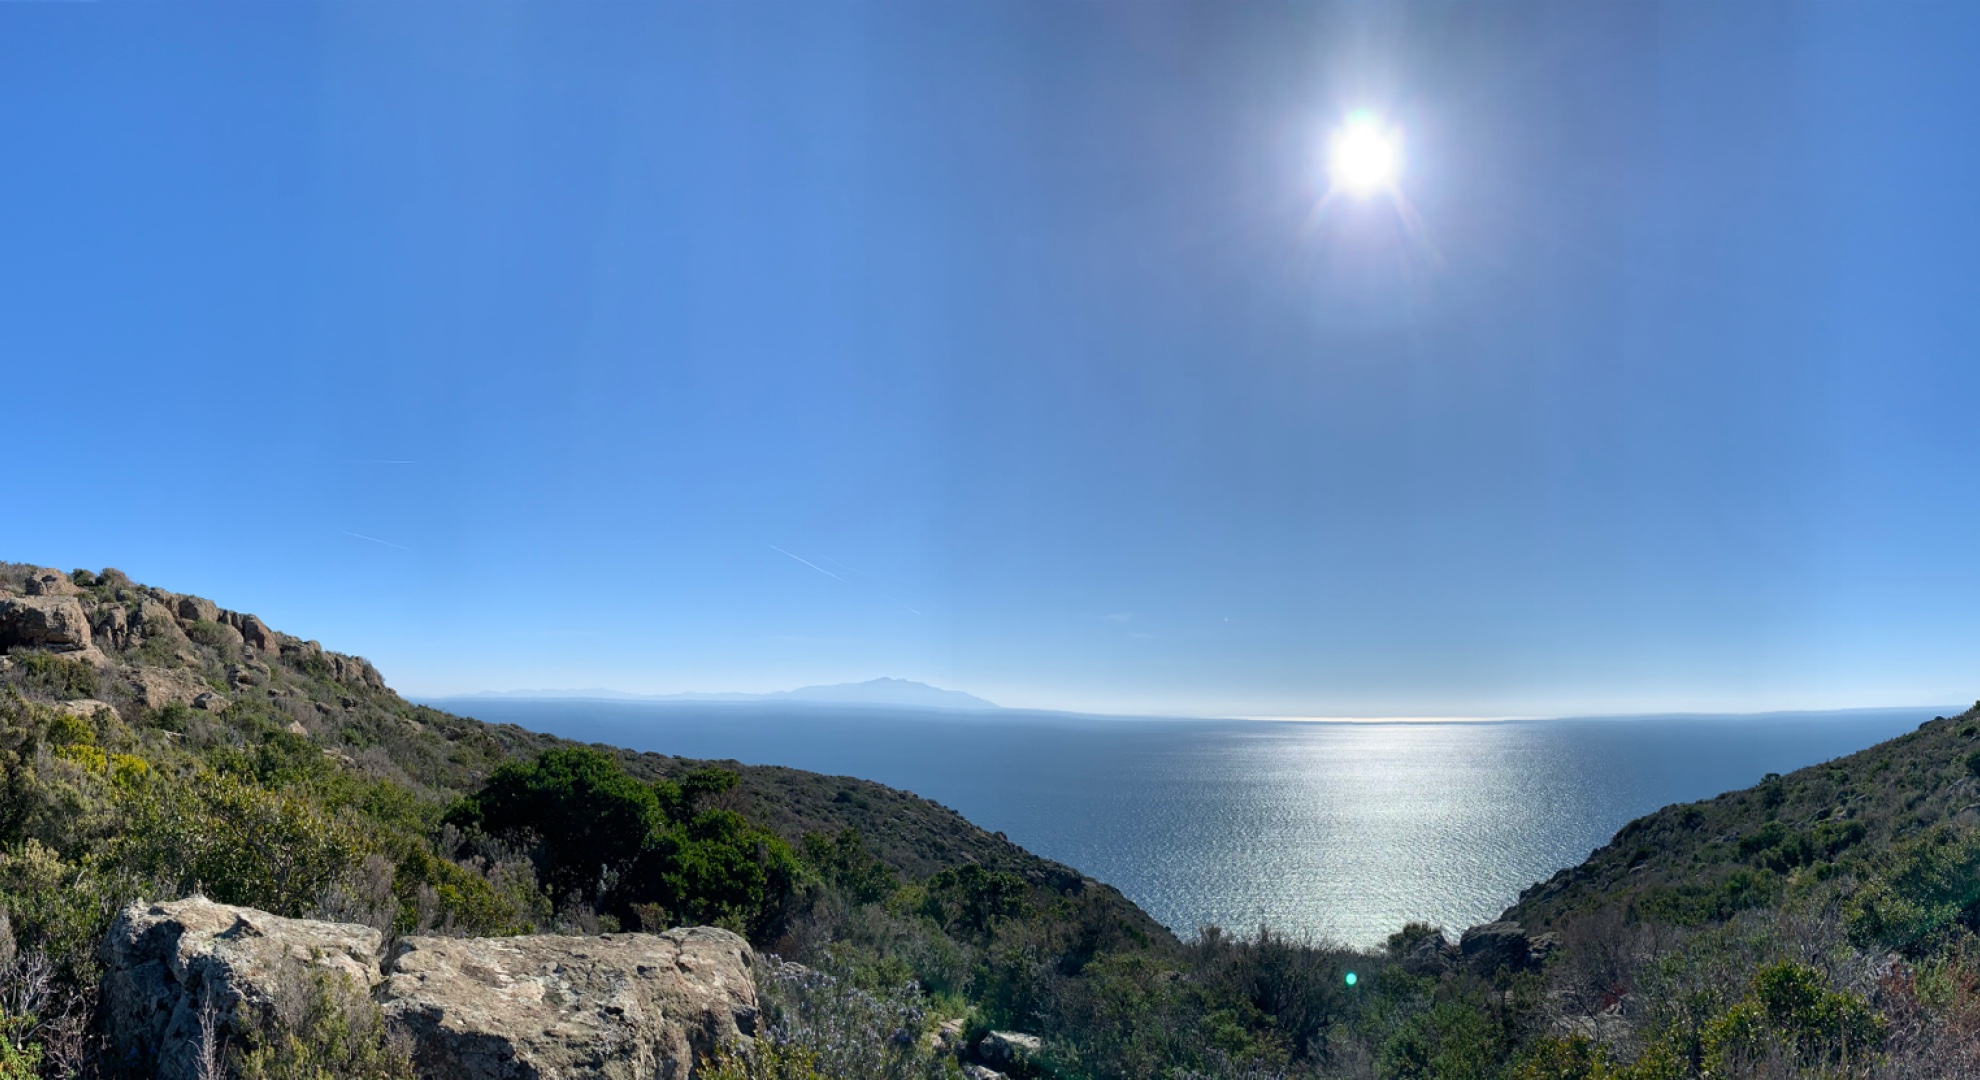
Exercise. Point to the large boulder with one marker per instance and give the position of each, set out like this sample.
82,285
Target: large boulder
1008,1048
621,1006
255,632
1431,955
1496,945
49,622
110,624
198,609
159,687
48,581
167,964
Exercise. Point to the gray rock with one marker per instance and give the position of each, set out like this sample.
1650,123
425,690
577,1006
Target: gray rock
617,1007
947,1037
209,702
154,619
621,1006
109,623
1000,1048
87,708
50,582
979,1072
159,687
1496,945
1434,955
49,622
198,609
355,671
164,963
255,632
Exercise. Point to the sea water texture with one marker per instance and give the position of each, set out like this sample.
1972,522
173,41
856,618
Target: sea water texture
1341,830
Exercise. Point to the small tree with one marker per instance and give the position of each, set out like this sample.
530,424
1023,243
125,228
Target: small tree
578,808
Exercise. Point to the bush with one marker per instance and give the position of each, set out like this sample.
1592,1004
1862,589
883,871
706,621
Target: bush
237,842
841,860
57,675
577,806
1922,889
646,854
716,869
1792,1018
319,1027
825,1028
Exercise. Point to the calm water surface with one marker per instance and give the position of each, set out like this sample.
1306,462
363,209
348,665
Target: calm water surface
1346,830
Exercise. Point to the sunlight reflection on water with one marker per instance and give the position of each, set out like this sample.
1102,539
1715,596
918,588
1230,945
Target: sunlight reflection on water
1342,830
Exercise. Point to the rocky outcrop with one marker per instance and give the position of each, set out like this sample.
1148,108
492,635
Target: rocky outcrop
255,632
1004,1049
165,964
621,1006
198,609
87,708
1496,945
48,581
159,687
625,1006
110,625
48,622
1431,955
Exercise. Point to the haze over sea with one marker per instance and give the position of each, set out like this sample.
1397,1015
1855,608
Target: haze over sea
1346,830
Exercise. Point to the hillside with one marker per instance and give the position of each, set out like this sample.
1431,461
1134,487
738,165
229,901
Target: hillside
154,744
1700,862
155,655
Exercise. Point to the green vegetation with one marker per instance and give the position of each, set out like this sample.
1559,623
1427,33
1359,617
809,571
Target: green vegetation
319,1027
1822,923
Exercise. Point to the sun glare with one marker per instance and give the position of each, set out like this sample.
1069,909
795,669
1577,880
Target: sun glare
1364,158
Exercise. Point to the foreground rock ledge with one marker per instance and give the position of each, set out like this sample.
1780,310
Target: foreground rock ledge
620,1006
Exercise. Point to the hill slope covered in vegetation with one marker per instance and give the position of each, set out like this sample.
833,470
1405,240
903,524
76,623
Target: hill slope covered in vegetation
154,744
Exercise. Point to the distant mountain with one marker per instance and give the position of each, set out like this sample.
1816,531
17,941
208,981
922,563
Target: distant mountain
883,693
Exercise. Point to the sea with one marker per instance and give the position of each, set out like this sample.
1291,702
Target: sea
1339,831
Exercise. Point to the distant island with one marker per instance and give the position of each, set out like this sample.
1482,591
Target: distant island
881,693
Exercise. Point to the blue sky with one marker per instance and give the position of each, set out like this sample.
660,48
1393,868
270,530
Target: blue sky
1014,347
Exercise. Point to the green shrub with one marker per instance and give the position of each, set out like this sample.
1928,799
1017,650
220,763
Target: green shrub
578,808
970,900
238,842
215,636
716,869
317,1026
841,860
1792,1018
820,1027
1573,1058
18,1061
1924,887
57,675
666,855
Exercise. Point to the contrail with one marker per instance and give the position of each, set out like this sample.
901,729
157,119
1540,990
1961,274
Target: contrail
376,540
809,563
836,577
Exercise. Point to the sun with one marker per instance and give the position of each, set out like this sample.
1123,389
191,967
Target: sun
1364,156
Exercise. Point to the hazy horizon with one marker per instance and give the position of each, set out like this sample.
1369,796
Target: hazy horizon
1045,351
